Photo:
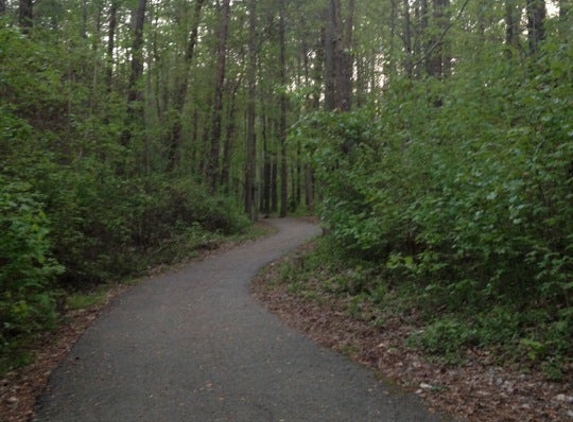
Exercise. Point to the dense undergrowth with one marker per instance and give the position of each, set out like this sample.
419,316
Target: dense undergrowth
457,195
361,289
77,207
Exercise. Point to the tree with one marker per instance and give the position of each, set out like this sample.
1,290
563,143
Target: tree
250,165
26,15
134,92
438,63
536,12
283,109
112,27
216,116
182,85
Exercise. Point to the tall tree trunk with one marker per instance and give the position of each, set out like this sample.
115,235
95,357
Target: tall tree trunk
266,173
407,38
425,42
436,59
232,89
213,168
565,27
511,26
283,109
134,94
335,66
181,93
111,43
84,27
347,61
25,15
274,184
535,23
2,7
251,144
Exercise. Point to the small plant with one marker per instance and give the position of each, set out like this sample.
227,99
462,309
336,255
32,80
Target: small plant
445,338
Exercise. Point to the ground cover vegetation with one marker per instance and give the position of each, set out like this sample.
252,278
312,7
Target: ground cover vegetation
433,136
452,193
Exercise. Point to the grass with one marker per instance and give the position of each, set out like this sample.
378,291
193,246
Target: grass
83,300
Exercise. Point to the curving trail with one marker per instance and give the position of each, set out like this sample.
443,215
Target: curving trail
192,345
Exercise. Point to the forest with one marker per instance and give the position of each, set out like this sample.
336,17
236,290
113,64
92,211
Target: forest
433,138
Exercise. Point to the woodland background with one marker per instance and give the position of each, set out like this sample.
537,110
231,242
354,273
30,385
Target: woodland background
434,139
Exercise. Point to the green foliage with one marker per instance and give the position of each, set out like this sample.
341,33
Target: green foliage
462,188
27,271
446,338
110,210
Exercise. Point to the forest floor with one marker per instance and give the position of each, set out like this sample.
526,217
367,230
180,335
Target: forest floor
477,389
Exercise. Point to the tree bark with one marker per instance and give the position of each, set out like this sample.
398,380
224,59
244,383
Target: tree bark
251,144
347,61
283,109
232,89
26,15
334,58
511,25
407,38
111,44
266,172
436,63
213,168
174,144
134,94
535,24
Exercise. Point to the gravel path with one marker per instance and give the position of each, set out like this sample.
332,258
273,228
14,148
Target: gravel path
193,345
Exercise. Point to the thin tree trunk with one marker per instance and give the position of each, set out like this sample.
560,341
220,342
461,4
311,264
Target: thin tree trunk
535,24
334,59
229,134
213,167
251,144
181,92
2,7
407,38
511,25
134,94
84,27
267,169
26,15
274,184
425,41
283,110
309,188
111,44
347,61
435,58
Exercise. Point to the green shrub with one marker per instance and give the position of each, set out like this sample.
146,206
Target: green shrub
27,271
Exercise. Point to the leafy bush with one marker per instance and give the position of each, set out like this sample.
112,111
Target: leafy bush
27,271
470,201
